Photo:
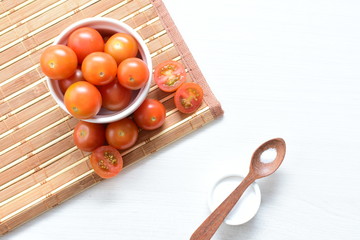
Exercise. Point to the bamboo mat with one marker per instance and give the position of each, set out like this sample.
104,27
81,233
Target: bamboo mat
40,167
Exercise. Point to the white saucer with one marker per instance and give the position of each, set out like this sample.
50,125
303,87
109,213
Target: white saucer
245,209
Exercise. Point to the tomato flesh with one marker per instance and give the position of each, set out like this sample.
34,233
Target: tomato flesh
58,62
83,100
99,68
150,115
89,136
121,46
106,161
115,97
169,75
133,73
84,41
188,98
122,134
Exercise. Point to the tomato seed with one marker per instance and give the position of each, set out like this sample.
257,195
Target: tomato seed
102,165
172,80
110,157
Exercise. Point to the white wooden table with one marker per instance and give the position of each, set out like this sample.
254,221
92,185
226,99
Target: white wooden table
280,68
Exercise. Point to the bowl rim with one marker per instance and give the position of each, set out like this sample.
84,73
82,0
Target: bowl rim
144,52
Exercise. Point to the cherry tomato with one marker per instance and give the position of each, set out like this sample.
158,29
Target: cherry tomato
84,41
122,134
58,62
114,96
121,46
133,73
99,68
89,136
169,75
150,115
188,98
106,161
82,100
65,83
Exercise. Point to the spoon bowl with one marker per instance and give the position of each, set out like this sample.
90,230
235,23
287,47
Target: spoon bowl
262,169
258,169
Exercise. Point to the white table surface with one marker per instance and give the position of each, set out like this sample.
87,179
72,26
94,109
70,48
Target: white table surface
280,68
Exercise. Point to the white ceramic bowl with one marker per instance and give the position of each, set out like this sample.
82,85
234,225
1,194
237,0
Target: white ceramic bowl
106,26
247,206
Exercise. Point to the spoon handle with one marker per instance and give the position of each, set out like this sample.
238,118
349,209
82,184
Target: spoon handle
207,229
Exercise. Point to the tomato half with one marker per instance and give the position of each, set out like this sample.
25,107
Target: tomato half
188,98
106,161
169,75
150,115
133,73
65,83
84,41
114,96
89,136
58,62
121,46
99,68
82,100
122,134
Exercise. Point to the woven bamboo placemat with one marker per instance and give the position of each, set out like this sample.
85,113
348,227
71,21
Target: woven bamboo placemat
40,167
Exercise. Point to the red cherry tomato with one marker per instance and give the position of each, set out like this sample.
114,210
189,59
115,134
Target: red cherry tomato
65,83
114,96
82,100
106,161
133,73
84,41
89,136
188,98
122,134
150,115
99,68
121,46
169,75
58,62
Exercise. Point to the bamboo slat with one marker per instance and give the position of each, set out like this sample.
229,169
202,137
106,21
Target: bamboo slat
40,167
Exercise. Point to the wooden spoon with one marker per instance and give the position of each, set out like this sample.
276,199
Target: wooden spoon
258,169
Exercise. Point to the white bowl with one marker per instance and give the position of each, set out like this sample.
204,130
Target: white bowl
106,26
247,206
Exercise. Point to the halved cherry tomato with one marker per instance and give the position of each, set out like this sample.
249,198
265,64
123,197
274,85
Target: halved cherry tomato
133,73
82,100
84,41
65,83
188,98
121,46
122,134
58,62
106,161
99,68
89,136
169,75
150,115
115,97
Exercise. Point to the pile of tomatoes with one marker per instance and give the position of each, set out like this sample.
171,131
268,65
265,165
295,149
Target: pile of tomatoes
96,71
